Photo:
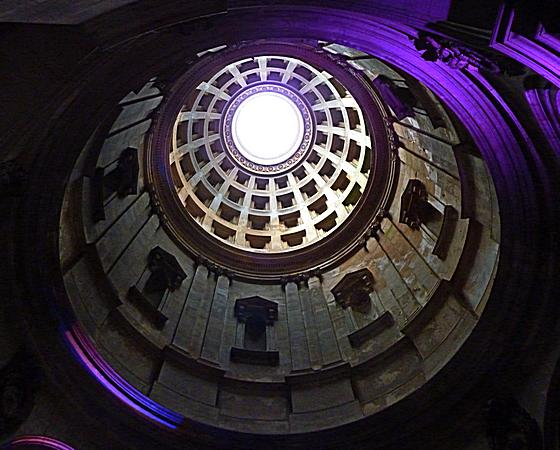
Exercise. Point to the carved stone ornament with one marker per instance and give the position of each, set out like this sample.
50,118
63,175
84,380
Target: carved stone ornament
413,201
256,307
166,270
435,48
123,180
354,289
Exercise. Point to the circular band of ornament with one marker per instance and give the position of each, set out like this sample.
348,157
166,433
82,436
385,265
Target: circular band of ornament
295,156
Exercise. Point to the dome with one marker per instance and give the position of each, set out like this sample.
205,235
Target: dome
279,226
338,264
254,156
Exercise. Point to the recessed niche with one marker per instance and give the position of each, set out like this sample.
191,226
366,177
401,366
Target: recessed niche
319,206
304,72
309,190
281,182
226,165
353,118
201,156
300,173
337,116
193,209
294,239
327,170
215,179
314,158
235,195
256,241
259,222
261,184
198,127
321,138
325,92
259,202
253,78
327,223
203,193
286,200
341,182
353,196
337,145
339,87
289,220
222,231
188,167
242,178
228,213
353,152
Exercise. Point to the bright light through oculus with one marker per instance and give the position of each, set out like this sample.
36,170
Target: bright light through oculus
267,128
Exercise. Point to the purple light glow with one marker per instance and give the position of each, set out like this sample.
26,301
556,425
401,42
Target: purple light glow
37,441
490,122
546,108
540,52
88,356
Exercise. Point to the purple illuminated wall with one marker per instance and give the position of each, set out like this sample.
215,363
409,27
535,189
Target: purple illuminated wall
495,130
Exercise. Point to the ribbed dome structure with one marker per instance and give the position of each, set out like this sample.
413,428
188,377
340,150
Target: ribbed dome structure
278,226
300,194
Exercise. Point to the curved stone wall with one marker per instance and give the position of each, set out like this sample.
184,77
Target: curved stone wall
327,357
376,360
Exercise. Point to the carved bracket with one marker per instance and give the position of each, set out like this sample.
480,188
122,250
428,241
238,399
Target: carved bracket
166,275
166,271
413,202
123,180
256,313
266,310
354,289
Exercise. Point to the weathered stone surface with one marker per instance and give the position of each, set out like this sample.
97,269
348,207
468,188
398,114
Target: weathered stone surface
253,405
325,332
213,336
119,236
113,208
179,380
310,325
195,311
296,327
183,405
314,397
130,357
115,144
135,112
387,372
477,267
326,418
133,262
254,425
90,294
414,271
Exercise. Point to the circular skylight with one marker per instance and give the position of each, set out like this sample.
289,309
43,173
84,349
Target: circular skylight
267,128
271,154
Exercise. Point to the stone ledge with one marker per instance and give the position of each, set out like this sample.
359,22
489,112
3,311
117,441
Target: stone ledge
358,337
